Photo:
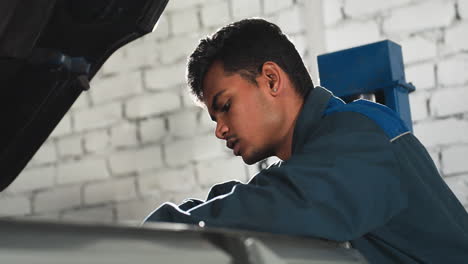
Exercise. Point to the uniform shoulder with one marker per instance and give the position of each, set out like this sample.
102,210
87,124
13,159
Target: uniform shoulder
366,115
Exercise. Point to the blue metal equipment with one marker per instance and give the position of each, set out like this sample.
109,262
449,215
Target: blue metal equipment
374,72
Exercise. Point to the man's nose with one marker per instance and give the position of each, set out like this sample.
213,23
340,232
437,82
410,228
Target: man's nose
221,130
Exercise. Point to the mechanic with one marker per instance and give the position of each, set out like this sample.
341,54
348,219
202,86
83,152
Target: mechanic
348,172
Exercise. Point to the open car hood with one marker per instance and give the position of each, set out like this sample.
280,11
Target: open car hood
49,51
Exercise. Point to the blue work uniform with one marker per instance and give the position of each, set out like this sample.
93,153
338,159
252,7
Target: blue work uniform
356,174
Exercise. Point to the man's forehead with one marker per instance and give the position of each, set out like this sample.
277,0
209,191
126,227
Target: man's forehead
213,82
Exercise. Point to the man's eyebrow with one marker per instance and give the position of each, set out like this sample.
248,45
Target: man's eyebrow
214,103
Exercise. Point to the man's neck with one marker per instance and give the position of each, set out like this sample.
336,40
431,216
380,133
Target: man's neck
285,150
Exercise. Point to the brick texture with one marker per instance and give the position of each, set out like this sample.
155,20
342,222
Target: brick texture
458,185
57,199
421,75
34,179
442,132
173,75
116,190
98,117
454,159
154,104
245,8
96,141
15,206
185,21
46,154
463,8
168,180
152,130
455,38
70,146
453,71
431,14
445,102
139,123
115,87
417,49
351,34
212,172
135,160
102,214
357,8
332,11
215,14
81,171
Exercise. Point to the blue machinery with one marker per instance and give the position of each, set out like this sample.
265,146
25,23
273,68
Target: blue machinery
374,72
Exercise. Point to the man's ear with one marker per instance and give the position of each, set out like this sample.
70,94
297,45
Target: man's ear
271,72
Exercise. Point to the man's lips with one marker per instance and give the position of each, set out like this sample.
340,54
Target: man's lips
234,145
231,142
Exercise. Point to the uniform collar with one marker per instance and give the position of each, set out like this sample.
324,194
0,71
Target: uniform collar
315,104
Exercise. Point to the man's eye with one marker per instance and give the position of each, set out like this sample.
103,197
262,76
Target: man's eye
226,107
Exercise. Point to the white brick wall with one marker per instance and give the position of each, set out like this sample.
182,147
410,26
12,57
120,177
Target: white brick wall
82,170
152,130
98,117
442,132
13,206
96,141
455,159
63,127
352,33
417,49
161,30
133,212
173,75
33,179
175,49
154,104
245,8
291,21
459,184
115,87
178,179
446,102
357,8
124,135
453,71
115,190
431,14
57,199
102,214
421,75
178,5
142,159
463,8
273,6
138,123
332,11
215,14
46,154
185,21
183,124
201,148
221,170
455,38
418,104
70,146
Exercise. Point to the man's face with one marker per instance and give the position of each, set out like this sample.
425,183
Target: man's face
243,112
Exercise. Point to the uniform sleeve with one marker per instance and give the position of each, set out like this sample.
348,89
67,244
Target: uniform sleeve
165,213
336,188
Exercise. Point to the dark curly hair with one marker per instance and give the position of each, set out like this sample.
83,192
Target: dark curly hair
243,47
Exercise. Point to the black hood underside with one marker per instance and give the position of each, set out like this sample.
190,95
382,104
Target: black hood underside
49,51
